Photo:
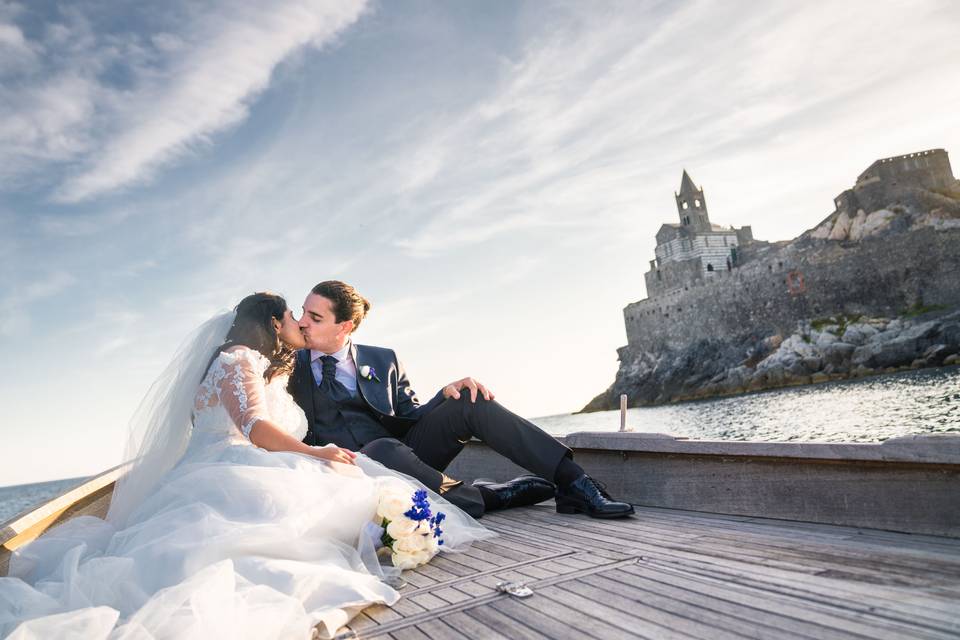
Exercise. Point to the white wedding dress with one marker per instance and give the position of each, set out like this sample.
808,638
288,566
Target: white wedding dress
234,542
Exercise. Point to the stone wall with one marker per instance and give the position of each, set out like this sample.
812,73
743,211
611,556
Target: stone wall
670,276
881,275
886,181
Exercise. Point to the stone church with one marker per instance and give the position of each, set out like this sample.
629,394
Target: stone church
694,248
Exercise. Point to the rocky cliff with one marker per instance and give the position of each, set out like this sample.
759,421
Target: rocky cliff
859,294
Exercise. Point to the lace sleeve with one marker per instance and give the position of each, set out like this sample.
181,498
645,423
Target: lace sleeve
242,388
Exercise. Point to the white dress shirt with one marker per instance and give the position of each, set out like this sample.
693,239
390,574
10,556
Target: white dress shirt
346,367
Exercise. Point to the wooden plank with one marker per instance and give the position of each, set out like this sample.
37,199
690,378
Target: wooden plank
834,618
428,601
381,613
477,574
444,562
440,630
482,555
899,604
401,609
521,541
574,562
726,578
416,579
554,568
810,532
359,623
536,572
481,621
508,551
557,620
810,585
635,612
473,589
642,616
451,595
410,633
810,562
735,618
537,529
435,573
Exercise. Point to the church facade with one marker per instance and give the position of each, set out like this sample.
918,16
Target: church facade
694,248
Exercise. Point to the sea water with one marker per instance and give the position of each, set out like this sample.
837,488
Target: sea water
870,409
19,498
865,410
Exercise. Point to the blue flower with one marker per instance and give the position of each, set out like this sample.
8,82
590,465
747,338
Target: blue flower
421,507
435,525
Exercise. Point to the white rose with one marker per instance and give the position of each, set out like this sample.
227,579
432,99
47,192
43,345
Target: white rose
401,527
410,543
424,528
422,557
392,506
433,545
403,560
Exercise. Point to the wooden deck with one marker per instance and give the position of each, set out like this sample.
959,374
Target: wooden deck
678,574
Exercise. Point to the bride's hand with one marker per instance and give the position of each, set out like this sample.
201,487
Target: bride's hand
334,454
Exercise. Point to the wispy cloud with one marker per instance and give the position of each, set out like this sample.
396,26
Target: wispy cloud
14,304
605,106
112,109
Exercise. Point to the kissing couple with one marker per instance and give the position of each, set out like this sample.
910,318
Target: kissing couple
359,398
271,465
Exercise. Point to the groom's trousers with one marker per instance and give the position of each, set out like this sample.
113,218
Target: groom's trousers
434,441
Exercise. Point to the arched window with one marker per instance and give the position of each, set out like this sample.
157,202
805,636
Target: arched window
685,205
696,203
709,267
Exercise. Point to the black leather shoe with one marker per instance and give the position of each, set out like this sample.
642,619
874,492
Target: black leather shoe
586,495
520,492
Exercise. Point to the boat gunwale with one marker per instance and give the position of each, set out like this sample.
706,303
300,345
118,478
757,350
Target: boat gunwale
29,524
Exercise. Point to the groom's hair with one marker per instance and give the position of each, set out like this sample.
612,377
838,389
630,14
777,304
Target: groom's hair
347,302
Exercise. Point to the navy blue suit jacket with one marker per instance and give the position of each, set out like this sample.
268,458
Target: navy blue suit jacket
391,399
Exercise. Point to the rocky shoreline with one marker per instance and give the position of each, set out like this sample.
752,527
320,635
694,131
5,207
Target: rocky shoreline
834,348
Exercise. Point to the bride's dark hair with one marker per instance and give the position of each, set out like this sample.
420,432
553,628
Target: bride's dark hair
253,327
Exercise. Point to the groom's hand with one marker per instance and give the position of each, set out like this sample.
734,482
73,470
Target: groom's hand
452,390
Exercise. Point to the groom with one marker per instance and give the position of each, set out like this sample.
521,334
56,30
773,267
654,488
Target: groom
358,397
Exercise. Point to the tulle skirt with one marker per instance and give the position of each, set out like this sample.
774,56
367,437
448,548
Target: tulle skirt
238,543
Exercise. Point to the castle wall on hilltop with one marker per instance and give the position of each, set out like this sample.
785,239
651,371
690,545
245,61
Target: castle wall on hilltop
880,275
885,181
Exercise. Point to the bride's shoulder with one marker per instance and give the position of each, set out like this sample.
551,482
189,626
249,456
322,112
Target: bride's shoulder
243,354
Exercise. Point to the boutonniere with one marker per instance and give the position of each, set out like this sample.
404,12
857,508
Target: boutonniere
368,373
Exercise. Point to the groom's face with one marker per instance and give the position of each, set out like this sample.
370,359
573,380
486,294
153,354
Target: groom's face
319,325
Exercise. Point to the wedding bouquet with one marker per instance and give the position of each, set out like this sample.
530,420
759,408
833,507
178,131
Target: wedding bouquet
412,533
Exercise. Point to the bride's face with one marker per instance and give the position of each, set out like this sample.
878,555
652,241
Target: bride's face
289,331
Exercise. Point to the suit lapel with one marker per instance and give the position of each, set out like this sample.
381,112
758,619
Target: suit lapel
360,379
372,392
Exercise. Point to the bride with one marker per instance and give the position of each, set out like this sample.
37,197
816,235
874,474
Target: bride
226,524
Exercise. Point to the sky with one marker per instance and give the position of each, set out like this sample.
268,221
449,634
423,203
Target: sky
489,175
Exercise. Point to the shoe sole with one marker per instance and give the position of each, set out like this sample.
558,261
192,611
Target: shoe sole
570,510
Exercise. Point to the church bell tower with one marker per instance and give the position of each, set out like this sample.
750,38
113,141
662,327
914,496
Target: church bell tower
692,206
